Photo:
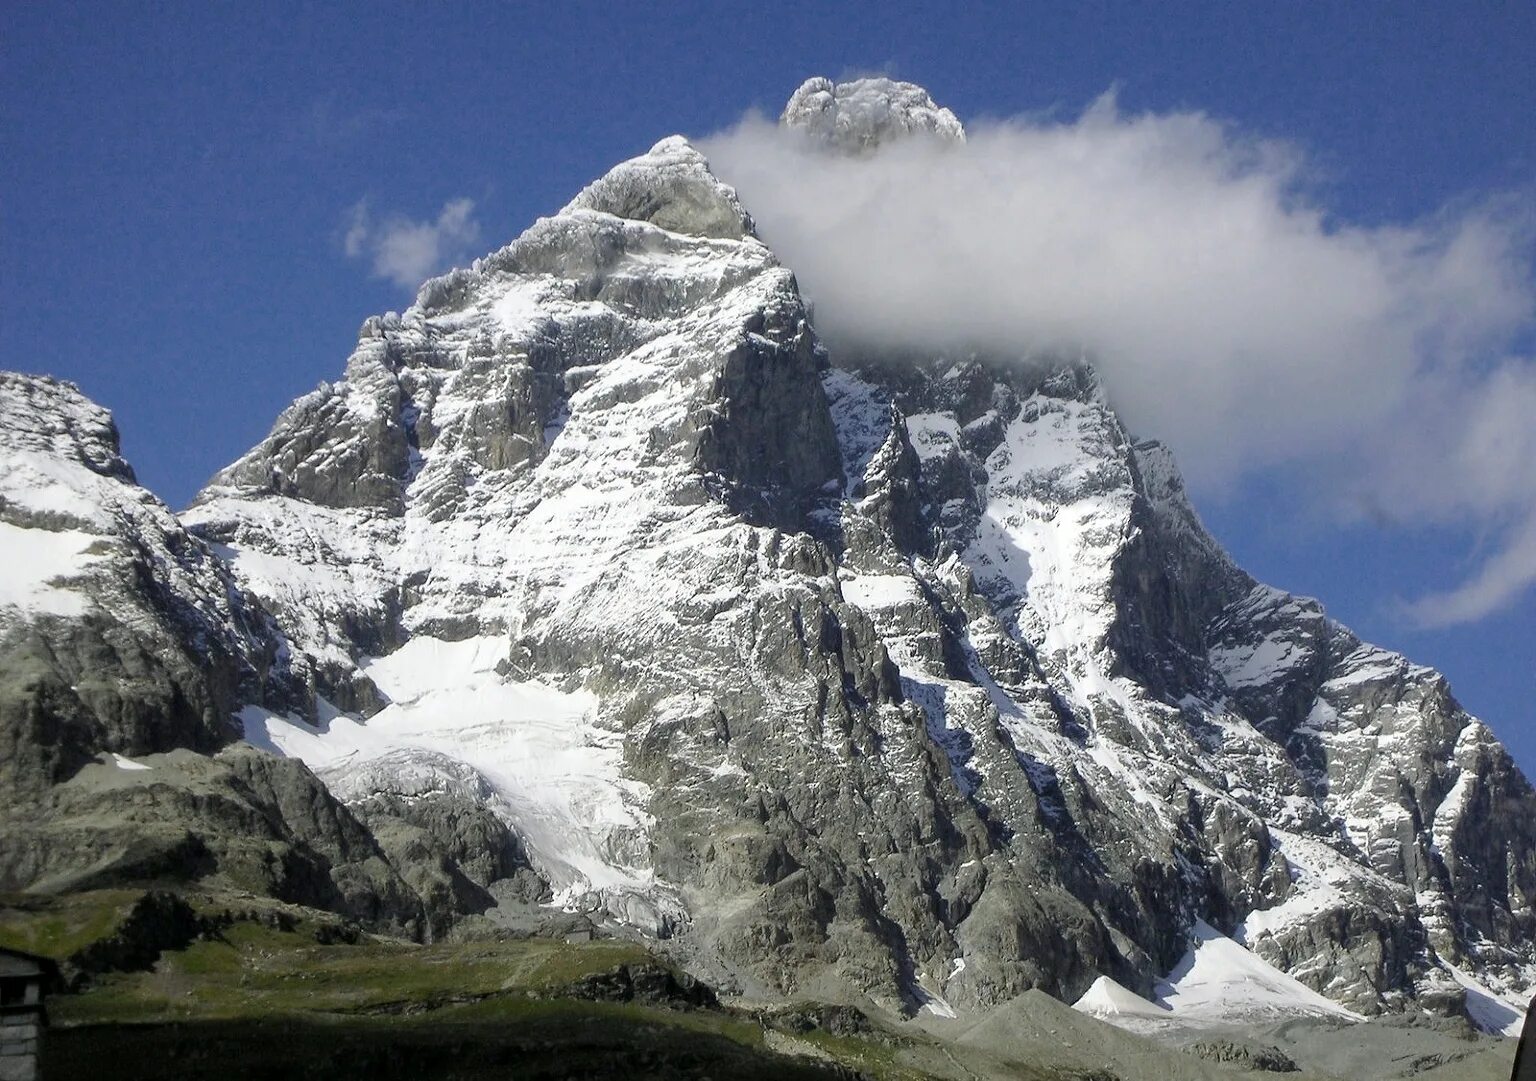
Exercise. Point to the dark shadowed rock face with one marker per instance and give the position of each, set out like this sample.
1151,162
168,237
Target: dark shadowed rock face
841,675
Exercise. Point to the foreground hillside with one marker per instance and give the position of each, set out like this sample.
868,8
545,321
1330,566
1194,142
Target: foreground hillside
222,986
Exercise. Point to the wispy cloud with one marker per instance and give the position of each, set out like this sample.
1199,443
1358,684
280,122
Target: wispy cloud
1232,313
328,124
1471,459
405,251
1498,582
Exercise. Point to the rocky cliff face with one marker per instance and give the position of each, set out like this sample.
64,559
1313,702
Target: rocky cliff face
910,677
126,651
121,632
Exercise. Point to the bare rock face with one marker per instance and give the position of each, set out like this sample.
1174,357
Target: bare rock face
433,818
240,819
120,631
842,677
126,649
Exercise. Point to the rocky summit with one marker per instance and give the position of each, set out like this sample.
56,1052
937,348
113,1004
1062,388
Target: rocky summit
598,589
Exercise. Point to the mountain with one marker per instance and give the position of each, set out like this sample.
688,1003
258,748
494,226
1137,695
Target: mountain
598,584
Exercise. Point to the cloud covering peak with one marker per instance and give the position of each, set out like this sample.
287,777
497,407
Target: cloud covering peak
1230,313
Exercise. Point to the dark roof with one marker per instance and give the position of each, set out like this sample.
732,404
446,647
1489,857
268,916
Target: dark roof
22,963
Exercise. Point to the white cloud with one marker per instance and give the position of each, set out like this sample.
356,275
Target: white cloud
1230,313
407,252
1500,580
1470,458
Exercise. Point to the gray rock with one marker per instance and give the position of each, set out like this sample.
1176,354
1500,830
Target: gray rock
1249,1056
139,642
122,666
671,187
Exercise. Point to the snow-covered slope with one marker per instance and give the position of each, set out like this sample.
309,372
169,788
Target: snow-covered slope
917,679
1220,982
1109,1001
546,767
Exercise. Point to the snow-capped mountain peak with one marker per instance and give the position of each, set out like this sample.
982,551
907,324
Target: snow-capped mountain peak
912,679
859,115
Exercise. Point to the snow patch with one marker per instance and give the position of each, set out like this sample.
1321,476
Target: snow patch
1217,981
875,591
933,435
1258,664
35,561
1502,1015
519,313
1108,1000
861,417
928,1002
46,485
556,774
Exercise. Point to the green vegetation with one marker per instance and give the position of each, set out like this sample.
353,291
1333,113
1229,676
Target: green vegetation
59,927
875,1059
270,990
254,971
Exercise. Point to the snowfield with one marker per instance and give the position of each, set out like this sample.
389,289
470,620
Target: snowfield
1216,984
1218,981
556,776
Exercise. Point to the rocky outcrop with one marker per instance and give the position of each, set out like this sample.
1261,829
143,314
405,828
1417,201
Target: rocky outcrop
433,818
1260,1058
241,820
650,984
126,649
119,631
670,187
157,921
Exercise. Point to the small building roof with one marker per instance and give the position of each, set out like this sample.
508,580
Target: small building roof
21,963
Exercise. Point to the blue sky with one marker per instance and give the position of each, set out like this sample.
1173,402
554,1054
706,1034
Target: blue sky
178,184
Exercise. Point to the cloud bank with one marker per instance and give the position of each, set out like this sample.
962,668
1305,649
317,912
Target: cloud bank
1231,314
408,252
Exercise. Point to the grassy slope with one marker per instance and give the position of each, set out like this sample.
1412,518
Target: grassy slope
59,927
261,997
